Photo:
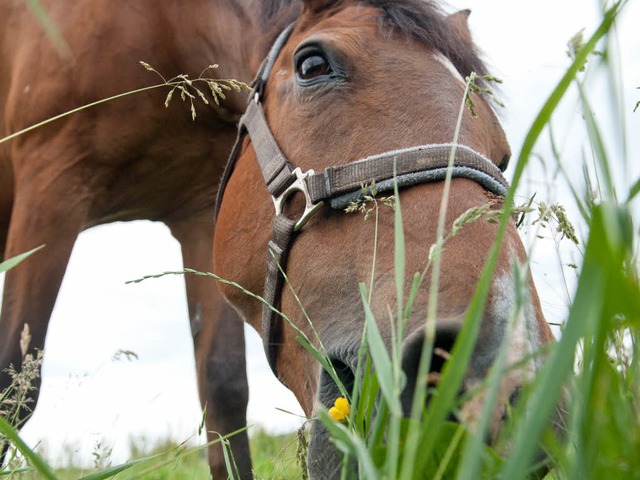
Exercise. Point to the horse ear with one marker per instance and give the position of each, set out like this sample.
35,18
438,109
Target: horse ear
459,22
316,6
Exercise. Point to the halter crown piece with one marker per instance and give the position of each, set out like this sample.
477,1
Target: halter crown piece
338,186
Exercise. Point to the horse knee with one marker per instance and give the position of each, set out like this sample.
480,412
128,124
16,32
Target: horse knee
226,384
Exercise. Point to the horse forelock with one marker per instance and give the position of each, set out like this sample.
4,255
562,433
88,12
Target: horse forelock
426,21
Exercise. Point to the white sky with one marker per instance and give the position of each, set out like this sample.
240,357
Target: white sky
88,397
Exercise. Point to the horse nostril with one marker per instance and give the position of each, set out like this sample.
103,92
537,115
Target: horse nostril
329,390
504,163
412,351
345,374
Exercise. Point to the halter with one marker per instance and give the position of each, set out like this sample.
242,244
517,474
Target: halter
338,186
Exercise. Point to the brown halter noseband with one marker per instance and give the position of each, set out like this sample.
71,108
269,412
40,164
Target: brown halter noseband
337,185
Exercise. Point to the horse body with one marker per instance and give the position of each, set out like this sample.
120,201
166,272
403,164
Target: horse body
128,159
376,84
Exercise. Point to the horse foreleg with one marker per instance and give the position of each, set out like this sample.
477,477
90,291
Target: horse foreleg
42,215
6,202
219,349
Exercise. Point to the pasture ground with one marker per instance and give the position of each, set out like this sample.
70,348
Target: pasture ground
274,457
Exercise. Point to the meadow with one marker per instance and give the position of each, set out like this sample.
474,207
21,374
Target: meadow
592,372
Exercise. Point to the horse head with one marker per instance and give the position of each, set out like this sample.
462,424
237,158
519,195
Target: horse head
356,87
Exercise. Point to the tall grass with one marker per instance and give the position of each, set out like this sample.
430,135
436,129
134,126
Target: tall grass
592,372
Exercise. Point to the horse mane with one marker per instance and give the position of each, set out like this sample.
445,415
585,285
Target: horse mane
273,12
422,20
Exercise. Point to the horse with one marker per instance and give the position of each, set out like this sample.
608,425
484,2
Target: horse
126,159
353,79
356,92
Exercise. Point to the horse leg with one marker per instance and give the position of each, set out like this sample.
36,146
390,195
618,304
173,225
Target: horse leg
219,348
4,231
44,213
6,201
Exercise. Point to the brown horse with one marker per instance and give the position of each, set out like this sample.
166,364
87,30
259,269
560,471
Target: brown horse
353,89
128,159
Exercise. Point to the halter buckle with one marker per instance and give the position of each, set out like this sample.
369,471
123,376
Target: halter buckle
299,184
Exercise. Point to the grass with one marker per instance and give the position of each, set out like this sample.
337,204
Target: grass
592,372
275,456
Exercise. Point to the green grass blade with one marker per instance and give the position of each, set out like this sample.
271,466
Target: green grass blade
381,358
399,378
113,471
79,109
449,453
49,27
597,143
351,444
324,362
229,461
365,398
12,262
635,189
17,471
34,459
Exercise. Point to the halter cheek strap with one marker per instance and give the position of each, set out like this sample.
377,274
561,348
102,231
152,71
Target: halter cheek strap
338,186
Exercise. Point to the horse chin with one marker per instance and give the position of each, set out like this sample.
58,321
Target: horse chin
324,460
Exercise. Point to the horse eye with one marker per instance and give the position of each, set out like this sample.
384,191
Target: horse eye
313,65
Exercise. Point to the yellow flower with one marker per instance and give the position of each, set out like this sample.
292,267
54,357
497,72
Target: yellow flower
340,410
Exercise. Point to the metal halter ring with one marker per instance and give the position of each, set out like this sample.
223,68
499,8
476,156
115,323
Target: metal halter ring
298,185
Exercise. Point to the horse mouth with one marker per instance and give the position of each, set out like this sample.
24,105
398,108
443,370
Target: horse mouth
324,460
346,365
329,389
